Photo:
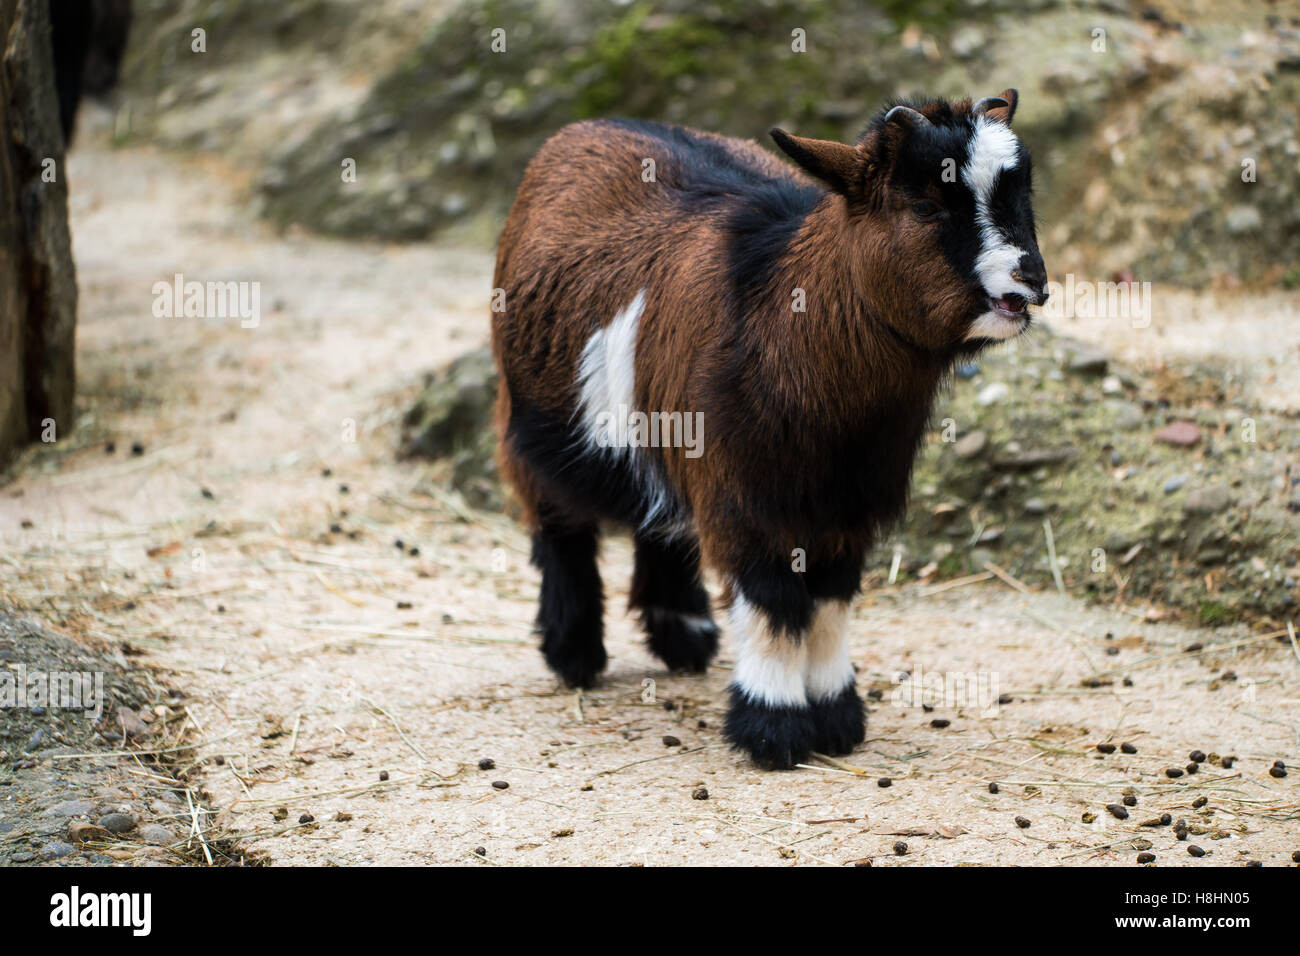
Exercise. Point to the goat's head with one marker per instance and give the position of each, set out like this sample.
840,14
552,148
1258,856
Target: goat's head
937,218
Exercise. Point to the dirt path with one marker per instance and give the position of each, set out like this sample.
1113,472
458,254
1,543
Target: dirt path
251,549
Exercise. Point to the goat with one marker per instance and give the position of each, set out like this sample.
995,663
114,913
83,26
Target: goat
807,318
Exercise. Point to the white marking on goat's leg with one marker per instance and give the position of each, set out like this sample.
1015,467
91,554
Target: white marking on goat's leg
770,666
829,667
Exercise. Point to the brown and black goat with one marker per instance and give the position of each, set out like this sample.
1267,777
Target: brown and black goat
657,283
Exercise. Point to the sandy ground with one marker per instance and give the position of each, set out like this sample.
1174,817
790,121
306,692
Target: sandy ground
346,690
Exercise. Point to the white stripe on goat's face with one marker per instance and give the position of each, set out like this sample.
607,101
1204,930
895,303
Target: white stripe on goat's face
994,148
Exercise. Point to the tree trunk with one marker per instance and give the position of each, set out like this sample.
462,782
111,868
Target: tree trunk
38,288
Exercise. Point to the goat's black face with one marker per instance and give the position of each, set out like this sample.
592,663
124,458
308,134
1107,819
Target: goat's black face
938,197
964,180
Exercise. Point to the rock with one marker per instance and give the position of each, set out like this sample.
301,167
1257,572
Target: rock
1087,360
1243,219
453,419
1179,433
1126,415
117,822
157,835
79,831
1209,500
1174,483
1035,506
970,445
57,849
993,393
34,742
70,808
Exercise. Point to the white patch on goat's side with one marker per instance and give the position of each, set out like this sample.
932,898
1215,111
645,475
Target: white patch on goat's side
830,669
770,667
993,148
607,400
990,325
607,378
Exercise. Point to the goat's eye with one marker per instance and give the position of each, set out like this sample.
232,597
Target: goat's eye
925,209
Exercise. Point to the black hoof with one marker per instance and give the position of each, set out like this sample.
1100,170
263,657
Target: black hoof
576,666
679,642
776,738
841,722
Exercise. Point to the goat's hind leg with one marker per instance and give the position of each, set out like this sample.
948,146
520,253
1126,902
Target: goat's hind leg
569,614
668,590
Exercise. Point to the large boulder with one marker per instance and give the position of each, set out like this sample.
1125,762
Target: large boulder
451,421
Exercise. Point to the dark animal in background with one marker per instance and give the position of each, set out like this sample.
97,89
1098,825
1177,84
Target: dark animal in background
808,320
89,39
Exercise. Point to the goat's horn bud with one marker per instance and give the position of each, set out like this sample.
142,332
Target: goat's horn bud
907,116
986,104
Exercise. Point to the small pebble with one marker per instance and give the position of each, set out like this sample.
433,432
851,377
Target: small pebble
500,785
900,848
1195,850
342,817
487,763
1128,748
1022,822
700,793
1146,857
1117,811
884,782
671,741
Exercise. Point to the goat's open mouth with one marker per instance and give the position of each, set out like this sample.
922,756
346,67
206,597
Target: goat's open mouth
1009,306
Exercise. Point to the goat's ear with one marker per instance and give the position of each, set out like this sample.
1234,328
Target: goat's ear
837,165
1003,114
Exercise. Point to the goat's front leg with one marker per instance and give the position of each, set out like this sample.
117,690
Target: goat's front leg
769,716
793,689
